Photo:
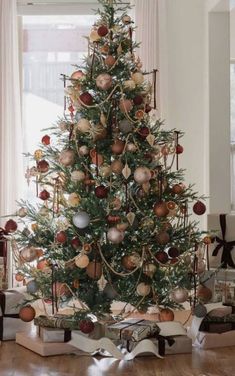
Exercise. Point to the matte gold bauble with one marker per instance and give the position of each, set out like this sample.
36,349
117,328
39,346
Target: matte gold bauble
104,81
74,199
81,261
160,209
117,166
142,175
166,314
117,147
67,157
143,289
105,170
77,176
138,78
83,125
94,270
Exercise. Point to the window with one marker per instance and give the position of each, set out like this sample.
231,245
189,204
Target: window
232,91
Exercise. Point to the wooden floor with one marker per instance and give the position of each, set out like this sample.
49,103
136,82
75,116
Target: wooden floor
17,361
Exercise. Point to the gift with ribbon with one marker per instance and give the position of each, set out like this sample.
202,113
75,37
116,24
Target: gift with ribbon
3,252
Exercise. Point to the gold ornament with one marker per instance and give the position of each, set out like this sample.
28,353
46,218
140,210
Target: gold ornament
81,261
143,289
131,147
129,84
83,125
138,78
105,170
74,199
67,157
83,150
77,176
38,154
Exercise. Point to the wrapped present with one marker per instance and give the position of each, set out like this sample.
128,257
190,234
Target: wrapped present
206,340
10,301
58,321
54,334
132,329
222,251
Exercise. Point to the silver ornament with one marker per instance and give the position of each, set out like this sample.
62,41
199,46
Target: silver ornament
81,219
179,295
32,287
115,236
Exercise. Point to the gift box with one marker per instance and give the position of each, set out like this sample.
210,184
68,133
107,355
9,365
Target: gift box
206,340
58,321
132,330
53,334
10,301
222,251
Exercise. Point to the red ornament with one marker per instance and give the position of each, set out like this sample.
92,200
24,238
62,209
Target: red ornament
179,149
102,31
143,132
10,226
173,252
86,326
148,108
43,166
44,195
61,237
27,313
42,264
138,100
76,243
46,140
199,208
162,257
113,218
101,191
86,98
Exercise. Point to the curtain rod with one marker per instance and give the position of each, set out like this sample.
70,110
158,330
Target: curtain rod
60,3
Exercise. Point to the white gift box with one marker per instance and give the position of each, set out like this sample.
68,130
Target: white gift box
53,334
215,226
10,324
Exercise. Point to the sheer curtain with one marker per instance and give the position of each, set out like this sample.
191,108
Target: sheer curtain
11,172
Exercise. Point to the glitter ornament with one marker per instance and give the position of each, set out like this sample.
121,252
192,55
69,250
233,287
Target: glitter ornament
200,310
131,147
149,269
77,176
129,84
76,243
104,81
43,166
38,154
61,237
22,212
143,289
117,166
86,326
74,200
44,195
142,175
83,150
199,208
177,189
81,219
115,236
125,126
86,99
101,191
28,254
67,157
162,257
102,30
83,125
105,171
132,261
138,100
163,238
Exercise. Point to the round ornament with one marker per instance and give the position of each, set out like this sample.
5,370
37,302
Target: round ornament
105,171
77,176
104,81
44,195
86,99
125,126
160,209
94,270
38,154
142,175
94,36
43,166
143,132
102,30
140,115
132,261
83,150
86,326
77,75
19,277
27,313
138,100
61,237
83,125
143,289
173,252
179,295
28,254
110,60
129,84
166,314
10,226
177,189
32,287
81,219
110,292
131,147
42,264
125,105
63,126
204,294
126,19
162,257
67,157
199,208
138,78
163,238
76,283
117,147
117,166
46,140
22,212
179,149
149,269
74,200
81,261
76,243
115,236
101,191
200,310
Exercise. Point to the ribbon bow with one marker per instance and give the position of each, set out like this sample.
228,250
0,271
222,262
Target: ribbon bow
226,258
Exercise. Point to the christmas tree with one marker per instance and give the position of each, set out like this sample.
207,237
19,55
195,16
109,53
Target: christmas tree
112,222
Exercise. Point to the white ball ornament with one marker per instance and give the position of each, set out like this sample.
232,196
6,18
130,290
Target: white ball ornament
179,295
143,289
22,212
142,175
138,78
81,261
115,236
77,176
104,81
67,157
83,125
81,219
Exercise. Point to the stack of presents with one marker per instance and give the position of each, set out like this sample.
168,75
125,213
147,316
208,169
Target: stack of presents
213,326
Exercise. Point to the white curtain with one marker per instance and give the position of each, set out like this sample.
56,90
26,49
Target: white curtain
11,173
145,14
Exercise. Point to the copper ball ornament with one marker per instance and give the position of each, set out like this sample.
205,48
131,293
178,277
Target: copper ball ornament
199,208
86,99
132,261
160,209
117,147
61,237
44,195
101,191
81,261
27,313
117,166
104,81
143,289
161,257
204,294
166,314
179,295
173,252
142,175
125,105
115,236
46,140
163,238
10,226
177,189
110,60
102,31
67,157
94,270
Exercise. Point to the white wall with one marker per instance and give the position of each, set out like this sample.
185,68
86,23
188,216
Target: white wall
232,34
